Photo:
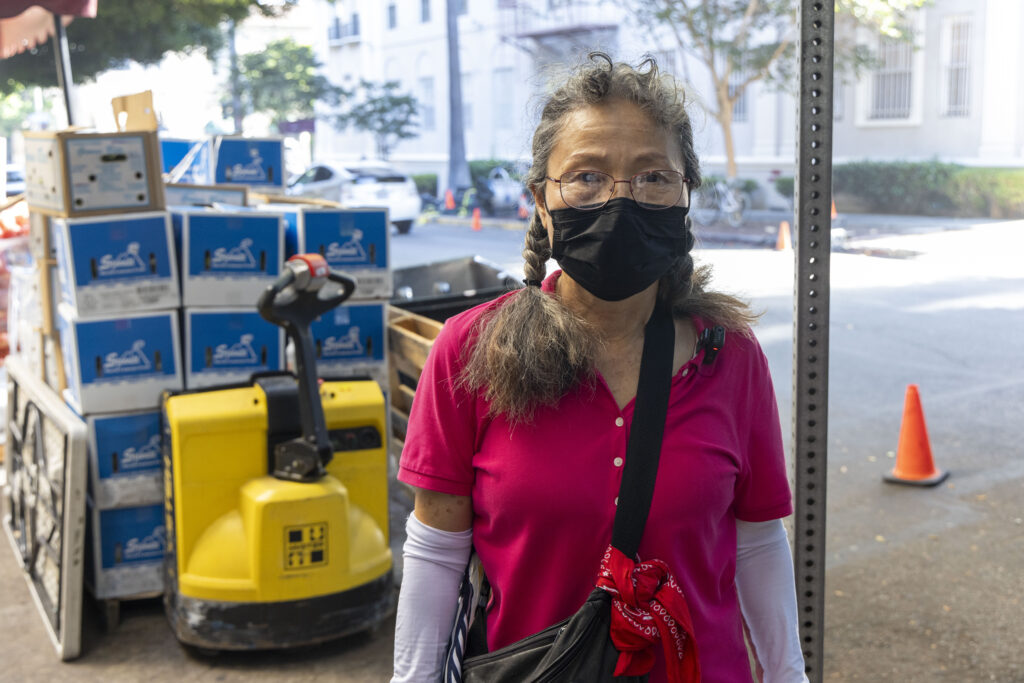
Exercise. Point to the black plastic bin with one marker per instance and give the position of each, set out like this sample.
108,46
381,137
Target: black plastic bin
445,288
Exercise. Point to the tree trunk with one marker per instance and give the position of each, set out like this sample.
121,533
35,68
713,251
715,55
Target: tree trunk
458,168
724,117
236,85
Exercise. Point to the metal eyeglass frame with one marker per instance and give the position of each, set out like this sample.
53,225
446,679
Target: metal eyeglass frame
683,189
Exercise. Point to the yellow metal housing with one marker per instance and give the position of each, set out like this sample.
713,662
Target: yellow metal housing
239,535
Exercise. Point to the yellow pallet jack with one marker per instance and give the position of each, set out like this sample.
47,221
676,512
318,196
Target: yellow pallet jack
276,494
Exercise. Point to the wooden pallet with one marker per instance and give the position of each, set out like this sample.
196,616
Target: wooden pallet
410,337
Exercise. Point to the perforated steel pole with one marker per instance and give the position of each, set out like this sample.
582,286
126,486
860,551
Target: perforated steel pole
813,196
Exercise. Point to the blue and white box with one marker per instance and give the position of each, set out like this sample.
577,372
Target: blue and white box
349,341
355,242
125,550
118,263
119,363
206,195
227,257
226,346
196,169
257,162
125,459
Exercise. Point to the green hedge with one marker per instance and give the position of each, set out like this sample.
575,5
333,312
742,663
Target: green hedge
992,192
426,183
784,186
930,188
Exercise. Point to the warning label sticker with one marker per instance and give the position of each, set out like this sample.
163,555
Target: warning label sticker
305,546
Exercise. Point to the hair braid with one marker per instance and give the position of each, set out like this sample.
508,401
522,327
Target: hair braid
537,249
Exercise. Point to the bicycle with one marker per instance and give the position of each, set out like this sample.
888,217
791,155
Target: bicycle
717,200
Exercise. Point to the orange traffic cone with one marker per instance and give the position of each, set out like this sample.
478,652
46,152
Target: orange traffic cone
784,241
449,201
476,219
835,214
914,454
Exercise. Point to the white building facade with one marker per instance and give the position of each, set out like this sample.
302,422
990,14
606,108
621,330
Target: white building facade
956,95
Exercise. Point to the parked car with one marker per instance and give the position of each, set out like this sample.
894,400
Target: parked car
504,191
362,184
15,181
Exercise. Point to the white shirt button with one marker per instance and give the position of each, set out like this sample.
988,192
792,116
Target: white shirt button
616,500
686,371
617,462
619,422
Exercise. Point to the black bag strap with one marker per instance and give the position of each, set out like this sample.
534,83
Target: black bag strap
644,447
642,454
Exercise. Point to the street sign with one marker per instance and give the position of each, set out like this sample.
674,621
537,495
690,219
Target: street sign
810,319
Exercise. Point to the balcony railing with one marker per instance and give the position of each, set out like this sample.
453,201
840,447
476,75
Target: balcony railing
541,18
347,31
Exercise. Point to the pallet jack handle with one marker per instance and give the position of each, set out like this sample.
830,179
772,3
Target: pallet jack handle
306,290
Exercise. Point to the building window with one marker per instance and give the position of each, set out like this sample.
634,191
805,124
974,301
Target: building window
392,15
339,30
891,83
504,89
424,11
740,106
956,69
425,98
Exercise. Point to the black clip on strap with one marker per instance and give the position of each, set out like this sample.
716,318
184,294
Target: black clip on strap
644,448
712,339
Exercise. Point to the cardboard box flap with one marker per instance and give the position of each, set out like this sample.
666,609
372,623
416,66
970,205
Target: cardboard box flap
135,112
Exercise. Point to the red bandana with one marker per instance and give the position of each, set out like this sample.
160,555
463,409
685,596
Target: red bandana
647,606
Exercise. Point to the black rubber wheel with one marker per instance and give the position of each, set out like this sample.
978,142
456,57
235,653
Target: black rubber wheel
403,227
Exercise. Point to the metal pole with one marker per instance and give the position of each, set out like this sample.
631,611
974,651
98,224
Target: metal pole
811,320
458,168
63,59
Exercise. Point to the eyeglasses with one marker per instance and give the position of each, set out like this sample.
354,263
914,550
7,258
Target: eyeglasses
655,190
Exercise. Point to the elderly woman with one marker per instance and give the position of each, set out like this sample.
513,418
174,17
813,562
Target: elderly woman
518,433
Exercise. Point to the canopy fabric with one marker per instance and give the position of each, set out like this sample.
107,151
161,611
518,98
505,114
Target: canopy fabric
81,8
27,23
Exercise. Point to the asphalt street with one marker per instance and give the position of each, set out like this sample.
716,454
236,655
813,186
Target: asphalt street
921,584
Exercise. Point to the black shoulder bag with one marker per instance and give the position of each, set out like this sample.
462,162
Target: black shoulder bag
580,649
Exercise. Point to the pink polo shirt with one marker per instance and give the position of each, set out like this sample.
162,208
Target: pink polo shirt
544,493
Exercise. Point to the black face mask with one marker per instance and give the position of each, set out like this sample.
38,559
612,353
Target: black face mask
620,249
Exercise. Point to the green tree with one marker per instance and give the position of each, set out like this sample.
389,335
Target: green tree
15,106
381,110
283,80
741,42
134,30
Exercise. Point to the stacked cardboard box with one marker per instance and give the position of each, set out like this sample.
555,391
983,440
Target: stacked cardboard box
227,259
351,340
108,290
225,159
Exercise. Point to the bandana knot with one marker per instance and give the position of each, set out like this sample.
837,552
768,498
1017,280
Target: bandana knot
647,606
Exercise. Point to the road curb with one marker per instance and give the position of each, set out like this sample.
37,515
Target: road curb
520,225
467,221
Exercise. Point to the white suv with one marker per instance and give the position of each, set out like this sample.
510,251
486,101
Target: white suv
362,184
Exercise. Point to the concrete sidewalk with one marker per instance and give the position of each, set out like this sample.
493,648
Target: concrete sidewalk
142,647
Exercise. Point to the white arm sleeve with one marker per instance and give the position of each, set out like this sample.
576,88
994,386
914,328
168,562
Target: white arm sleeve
434,562
767,593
